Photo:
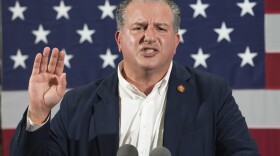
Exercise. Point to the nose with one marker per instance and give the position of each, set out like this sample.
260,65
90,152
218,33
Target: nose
150,35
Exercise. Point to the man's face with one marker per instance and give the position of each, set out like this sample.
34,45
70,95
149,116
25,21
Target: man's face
147,40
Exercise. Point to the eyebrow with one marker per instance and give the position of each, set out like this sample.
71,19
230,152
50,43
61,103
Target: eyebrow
161,24
140,23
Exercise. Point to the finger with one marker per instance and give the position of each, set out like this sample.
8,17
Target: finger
53,61
60,63
36,65
61,84
45,58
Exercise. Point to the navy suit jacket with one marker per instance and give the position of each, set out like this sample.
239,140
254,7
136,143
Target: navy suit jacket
204,120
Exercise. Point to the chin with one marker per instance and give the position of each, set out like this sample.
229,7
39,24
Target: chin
150,66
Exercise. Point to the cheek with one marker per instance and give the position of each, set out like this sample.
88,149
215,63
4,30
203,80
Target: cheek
130,41
168,43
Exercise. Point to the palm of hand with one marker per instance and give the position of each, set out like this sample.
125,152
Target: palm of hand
43,88
47,83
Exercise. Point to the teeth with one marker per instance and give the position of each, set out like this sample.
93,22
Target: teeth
149,50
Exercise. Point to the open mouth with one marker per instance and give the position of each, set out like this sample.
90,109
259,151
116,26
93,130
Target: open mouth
149,52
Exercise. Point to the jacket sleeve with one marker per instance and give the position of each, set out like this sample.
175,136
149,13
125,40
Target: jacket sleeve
43,141
233,137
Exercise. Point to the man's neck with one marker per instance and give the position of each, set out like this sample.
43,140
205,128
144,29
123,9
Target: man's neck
145,80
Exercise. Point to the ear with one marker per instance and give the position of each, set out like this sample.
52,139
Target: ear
176,41
118,40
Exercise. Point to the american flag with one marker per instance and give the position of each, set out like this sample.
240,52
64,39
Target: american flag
238,40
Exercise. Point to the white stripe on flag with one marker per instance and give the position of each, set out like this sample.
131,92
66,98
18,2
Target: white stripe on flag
14,103
272,33
260,107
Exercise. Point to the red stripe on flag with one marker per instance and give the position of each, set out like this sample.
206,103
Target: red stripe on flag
272,70
7,135
272,6
268,141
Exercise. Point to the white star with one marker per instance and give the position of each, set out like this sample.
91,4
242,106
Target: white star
85,34
181,32
199,8
247,7
17,11
19,59
247,57
200,58
62,10
67,59
41,34
223,32
107,10
108,59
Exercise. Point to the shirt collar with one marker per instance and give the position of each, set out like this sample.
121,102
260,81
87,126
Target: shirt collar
133,91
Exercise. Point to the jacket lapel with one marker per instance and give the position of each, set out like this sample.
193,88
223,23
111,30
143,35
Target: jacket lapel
178,101
105,119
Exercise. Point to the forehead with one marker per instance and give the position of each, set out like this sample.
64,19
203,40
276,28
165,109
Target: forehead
148,11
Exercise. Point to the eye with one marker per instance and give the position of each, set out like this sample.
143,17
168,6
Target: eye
161,29
138,28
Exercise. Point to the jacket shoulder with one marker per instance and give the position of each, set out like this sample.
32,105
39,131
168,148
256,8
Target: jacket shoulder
204,77
92,87
86,95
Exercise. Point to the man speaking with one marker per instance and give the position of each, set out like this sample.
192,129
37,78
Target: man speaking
149,102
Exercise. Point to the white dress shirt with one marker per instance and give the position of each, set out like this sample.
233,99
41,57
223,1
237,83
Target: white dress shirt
141,116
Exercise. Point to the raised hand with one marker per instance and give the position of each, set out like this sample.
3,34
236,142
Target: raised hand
47,84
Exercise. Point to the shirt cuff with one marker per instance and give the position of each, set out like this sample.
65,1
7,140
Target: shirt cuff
31,126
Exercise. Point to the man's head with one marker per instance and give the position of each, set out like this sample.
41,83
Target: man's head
146,35
174,7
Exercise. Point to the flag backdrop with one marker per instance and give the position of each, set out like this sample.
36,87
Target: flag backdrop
238,40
